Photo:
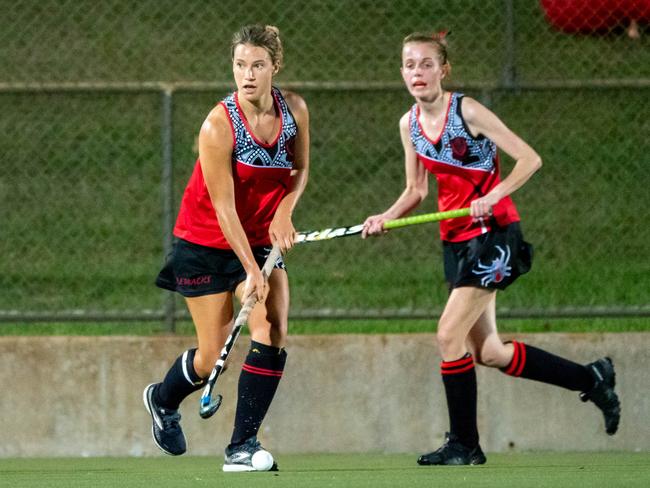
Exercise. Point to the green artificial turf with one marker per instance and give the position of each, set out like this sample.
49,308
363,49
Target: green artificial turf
516,470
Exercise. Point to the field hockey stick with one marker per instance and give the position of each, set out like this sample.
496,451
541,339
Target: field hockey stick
332,233
208,405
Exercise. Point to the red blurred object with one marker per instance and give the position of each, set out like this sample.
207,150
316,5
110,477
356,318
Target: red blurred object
590,16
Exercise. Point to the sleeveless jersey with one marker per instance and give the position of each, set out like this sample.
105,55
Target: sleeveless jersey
465,167
261,177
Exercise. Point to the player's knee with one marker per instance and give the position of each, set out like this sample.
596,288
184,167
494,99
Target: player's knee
447,340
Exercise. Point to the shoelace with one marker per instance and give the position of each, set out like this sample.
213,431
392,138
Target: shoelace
170,420
253,447
250,446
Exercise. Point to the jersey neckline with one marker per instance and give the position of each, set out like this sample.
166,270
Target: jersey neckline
444,124
278,109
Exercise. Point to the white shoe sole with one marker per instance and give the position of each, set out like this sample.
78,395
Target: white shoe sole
237,468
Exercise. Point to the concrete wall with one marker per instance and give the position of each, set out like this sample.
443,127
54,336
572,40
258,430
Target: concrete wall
82,396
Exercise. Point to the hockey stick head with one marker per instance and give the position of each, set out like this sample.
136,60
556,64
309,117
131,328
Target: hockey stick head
209,406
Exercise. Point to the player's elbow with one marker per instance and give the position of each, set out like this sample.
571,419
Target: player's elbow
419,191
534,161
423,192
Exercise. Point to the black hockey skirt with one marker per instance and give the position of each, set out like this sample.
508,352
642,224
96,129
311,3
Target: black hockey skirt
492,260
194,270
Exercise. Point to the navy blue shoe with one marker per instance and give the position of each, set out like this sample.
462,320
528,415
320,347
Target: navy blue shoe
453,453
602,394
165,429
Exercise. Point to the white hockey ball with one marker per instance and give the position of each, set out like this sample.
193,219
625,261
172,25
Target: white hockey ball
262,460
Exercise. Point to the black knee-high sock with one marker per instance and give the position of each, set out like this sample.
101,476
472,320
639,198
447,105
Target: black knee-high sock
259,379
459,378
535,364
180,381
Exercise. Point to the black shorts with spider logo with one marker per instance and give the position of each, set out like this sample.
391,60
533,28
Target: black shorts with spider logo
491,260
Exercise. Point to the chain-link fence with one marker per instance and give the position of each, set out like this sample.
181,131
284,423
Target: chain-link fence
102,101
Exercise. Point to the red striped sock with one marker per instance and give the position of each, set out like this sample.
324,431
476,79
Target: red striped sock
258,382
536,364
518,361
459,379
459,366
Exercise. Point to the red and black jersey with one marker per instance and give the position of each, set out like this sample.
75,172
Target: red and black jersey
466,168
261,175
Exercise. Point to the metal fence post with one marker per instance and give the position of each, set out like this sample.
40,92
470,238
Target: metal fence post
167,183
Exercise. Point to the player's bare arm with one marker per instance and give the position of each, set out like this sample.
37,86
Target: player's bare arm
215,152
282,230
481,120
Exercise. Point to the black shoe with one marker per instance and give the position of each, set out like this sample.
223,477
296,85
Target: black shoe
166,429
603,394
239,458
453,452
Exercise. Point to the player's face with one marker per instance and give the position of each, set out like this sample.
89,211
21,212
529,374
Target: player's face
253,71
421,69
